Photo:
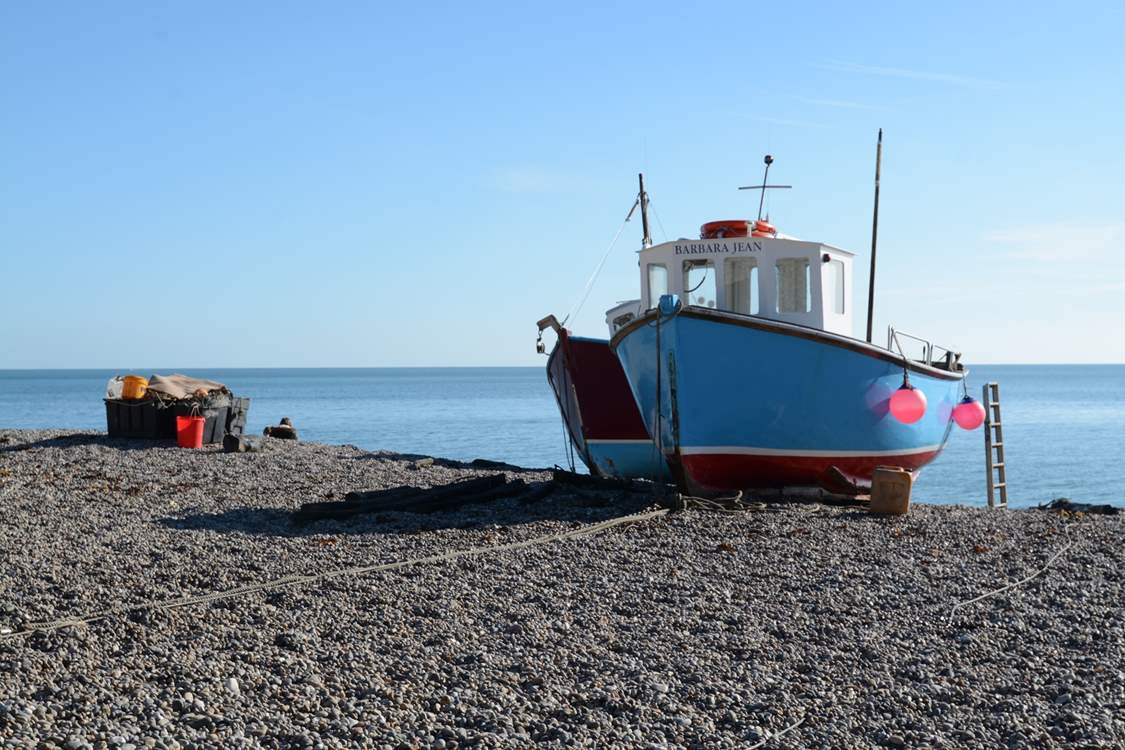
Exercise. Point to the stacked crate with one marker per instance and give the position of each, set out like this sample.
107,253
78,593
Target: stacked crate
153,420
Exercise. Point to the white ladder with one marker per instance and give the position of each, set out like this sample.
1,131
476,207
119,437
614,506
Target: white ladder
994,441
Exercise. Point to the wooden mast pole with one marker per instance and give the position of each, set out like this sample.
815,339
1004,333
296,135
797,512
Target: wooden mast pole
874,237
643,198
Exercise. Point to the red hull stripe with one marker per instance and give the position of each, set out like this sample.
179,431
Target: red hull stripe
736,450
729,472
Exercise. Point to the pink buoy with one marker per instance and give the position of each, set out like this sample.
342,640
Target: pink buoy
908,404
969,414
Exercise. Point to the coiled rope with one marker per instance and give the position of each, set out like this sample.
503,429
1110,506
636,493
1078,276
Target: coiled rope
297,580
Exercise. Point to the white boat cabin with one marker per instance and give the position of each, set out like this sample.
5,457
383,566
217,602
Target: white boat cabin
780,278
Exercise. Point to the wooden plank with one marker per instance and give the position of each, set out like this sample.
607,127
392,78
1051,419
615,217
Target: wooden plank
590,482
415,499
473,484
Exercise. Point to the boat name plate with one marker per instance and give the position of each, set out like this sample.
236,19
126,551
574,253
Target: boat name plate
730,247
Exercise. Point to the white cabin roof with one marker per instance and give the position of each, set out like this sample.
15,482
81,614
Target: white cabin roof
779,278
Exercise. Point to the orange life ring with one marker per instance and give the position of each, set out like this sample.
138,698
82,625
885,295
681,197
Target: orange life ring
763,229
727,228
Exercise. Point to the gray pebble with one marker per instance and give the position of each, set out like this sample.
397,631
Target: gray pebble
640,636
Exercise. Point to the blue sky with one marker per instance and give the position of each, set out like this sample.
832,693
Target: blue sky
337,184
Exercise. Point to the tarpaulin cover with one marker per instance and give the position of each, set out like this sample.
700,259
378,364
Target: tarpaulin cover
181,386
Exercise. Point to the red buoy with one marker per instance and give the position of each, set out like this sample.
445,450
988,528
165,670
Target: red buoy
908,404
969,414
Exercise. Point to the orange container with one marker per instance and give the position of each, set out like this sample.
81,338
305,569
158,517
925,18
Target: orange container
134,388
189,432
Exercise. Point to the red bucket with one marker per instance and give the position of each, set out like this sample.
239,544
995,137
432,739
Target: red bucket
189,432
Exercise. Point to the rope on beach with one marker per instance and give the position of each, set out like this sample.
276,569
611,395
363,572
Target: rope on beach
772,737
733,504
297,580
1020,582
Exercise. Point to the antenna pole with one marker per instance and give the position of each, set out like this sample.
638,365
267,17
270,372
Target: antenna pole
874,237
646,241
765,182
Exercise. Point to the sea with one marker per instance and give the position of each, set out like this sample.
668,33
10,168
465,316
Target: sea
1064,425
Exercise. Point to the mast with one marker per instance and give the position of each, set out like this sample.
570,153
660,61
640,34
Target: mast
765,184
874,237
646,241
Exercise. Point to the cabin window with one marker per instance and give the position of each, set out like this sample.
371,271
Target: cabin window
834,280
793,286
699,283
657,283
741,281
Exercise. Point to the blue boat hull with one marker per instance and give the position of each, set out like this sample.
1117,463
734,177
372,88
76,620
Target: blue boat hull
741,402
627,459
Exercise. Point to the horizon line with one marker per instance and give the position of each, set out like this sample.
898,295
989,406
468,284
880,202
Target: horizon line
470,367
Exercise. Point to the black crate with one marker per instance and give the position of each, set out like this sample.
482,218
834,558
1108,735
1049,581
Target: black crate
151,420
132,419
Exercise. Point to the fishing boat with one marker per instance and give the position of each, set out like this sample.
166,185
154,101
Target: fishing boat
742,369
603,424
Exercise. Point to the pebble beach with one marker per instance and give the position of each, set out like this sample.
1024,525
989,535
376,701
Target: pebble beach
790,626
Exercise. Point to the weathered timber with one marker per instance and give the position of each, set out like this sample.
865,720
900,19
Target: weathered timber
414,499
485,463
1066,505
562,476
350,507
535,494
590,482
465,492
474,484
425,504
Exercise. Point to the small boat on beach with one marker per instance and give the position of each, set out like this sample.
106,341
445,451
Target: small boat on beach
603,424
736,368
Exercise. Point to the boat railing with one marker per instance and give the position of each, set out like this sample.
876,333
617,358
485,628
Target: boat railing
947,358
